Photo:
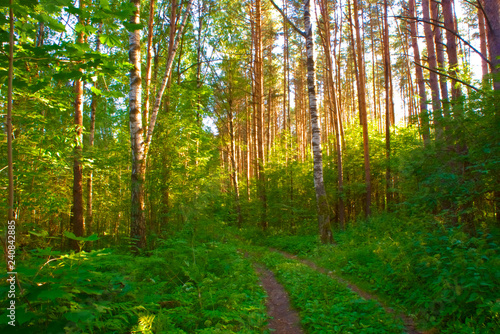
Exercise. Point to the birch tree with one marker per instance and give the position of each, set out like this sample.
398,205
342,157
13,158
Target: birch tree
140,142
323,208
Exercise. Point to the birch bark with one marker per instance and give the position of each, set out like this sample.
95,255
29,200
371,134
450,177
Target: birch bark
138,219
321,199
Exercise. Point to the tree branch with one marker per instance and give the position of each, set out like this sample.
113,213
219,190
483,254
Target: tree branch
159,94
302,33
448,76
443,27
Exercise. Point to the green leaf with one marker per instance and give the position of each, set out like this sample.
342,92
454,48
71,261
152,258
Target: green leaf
96,90
72,236
52,294
22,316
80,316
43,234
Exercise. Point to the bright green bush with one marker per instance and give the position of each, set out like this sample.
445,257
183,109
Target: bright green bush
181,288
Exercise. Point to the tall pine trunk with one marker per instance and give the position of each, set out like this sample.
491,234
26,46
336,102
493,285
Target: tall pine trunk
259,95
451,46
362,110
334,109
10,162
438,39
433,79
482,42
93,108
77,209
492,8
424,116
388,108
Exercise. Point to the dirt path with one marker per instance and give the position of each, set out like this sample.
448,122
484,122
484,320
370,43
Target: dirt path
284,319
409,324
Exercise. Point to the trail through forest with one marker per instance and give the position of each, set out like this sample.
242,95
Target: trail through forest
284,319
409,324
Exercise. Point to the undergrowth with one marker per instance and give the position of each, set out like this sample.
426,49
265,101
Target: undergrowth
325,305
179,288
442,274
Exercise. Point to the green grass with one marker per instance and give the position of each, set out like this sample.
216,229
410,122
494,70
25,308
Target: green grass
447,278
325,305
205,288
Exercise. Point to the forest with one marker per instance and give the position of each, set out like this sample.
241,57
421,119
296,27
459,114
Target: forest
250,166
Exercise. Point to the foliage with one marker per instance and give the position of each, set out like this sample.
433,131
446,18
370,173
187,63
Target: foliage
179,288
326,305
449,279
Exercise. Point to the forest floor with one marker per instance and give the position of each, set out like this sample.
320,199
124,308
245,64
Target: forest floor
283,318
409,324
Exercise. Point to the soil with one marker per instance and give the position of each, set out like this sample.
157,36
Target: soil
284,319
409,324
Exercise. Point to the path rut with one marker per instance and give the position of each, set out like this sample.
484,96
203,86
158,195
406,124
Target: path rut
284,319
409,324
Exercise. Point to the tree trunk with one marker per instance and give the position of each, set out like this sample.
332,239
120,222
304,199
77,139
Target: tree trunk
234,166
140,145
451,46
492,8
259,92
438,39
170,60
482,41
334,109
286,85
93,109
147,79
424,116
362,111
138,219
10,163
433,79
388,105
321,199
77,209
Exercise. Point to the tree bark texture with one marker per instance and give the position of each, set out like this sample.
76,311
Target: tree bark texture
362,110
424,116
482,40
259,96
438,39
93,109
138,219
334,109
492,9
147,79
388,106
451,45
77,209
321,199
433,78
10,163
